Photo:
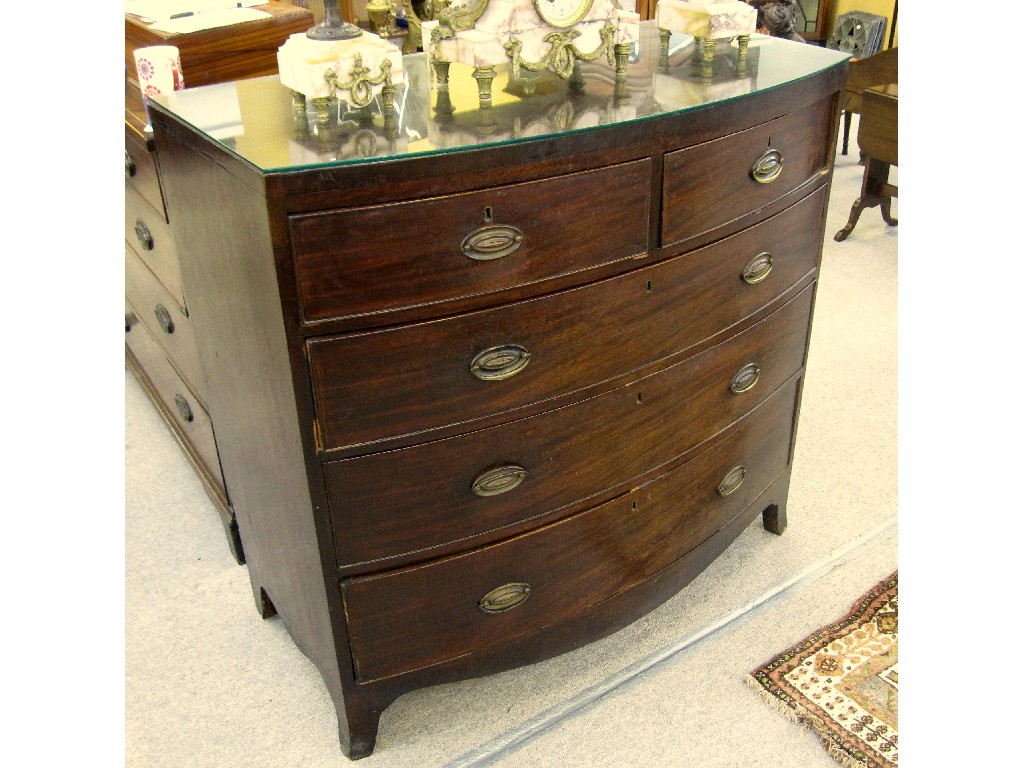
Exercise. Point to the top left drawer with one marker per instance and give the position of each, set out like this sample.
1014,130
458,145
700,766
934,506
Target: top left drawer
375,260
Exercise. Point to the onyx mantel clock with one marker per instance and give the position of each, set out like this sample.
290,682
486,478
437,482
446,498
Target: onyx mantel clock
534,35
562,13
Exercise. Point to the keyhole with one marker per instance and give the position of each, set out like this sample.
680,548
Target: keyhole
633,506
650,286
488,214
639,397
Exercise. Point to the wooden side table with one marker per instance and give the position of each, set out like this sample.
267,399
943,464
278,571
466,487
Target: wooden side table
877,137
875,70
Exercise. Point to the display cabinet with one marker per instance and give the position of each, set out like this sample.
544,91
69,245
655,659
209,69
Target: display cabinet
816,19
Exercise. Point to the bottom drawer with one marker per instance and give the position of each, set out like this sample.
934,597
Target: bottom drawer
413,617
180,404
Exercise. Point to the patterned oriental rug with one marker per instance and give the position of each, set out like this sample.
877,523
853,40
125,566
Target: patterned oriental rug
842,681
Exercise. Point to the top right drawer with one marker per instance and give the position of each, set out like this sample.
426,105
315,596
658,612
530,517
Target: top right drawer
712,184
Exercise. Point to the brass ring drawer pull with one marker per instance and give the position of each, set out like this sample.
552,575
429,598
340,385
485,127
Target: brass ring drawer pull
768,167
732,481
143,235
492,241
164,318
498,480
504,597
499,363
745,378
758,268
129,165
183,407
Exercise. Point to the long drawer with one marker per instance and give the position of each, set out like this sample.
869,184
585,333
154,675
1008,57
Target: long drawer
165,320
711,184
148,234
398,502
188,413
488,597
470,366
375,259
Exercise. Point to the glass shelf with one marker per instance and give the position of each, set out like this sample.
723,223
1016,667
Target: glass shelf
255,119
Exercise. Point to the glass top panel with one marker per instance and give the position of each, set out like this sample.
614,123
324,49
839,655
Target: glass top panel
257,119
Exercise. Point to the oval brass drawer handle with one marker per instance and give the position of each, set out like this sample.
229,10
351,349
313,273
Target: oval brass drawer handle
499,363
164,318
745,378
732,481
504,597
758,268
183,407
492,241
498,480
768,167
143,235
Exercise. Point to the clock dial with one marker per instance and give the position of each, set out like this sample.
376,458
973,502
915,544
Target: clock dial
562,13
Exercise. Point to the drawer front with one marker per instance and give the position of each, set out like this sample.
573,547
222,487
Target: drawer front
148,234
410,618
191,419
423,375
164,319
140,171
398,502
712,184
376,259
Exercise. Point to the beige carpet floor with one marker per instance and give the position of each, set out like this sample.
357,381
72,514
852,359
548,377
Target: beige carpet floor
209,684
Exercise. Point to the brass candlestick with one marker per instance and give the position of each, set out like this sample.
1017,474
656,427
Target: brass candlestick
333,27
380,12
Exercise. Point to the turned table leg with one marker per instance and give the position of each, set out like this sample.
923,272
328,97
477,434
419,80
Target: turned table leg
887,212
875,191
858,206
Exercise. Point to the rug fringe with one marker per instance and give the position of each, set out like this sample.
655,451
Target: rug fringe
807,722
841,756
779,706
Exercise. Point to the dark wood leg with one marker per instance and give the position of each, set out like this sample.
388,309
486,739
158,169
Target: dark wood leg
773,513
234,540
847,120
358,711
358,719
264,606
774,518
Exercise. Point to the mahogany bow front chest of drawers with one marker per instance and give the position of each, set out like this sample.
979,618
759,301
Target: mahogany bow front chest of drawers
489,385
